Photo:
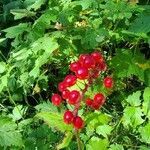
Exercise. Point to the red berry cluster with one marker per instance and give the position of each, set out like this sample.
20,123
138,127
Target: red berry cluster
87,68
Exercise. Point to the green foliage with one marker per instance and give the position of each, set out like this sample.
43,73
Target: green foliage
116,147
96,143
54,120
39,39
8,130
145,132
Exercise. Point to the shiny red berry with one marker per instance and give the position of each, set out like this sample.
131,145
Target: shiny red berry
74,66
99,98
62,86
70,80
108,82
65,94
89,101
97,56
101,66
56,99
82,73
74,97
88,62
82,57
95,105
68,117
78,122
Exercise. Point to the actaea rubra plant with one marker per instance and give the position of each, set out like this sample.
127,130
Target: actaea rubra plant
86,70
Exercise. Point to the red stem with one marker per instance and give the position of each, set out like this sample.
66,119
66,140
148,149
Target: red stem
75,111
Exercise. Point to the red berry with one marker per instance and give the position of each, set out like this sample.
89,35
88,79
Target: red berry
99,98
95,105
97,56
56,99
101,66
68,117
62,86
70,80
82,57
74,66
89,101
65,94
74,97
82,73
95,73
78,123
108,82
88,62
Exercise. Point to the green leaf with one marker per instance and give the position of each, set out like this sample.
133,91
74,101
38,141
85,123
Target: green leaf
54,120
147,77
85,4
116,147
66,141
47,44
36,5
141,24
3,82
126,63
18,112
146,102
94,120
145,133
89,39
104,130
132,116
2,39
46,106
21,13
2,67
8,134
14,31
97,143
134,99
142,147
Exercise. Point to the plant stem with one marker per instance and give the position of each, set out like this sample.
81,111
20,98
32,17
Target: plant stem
78,140
75,111
10,97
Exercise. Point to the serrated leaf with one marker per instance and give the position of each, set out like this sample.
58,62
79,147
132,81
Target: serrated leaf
126,64
14,31
146,102
134,99
94,120
18,112
104,130
21,13
67,139
54,120
85,4
141,24
97,143
36,5
145,133
116,147
8,134
132,116
46,106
